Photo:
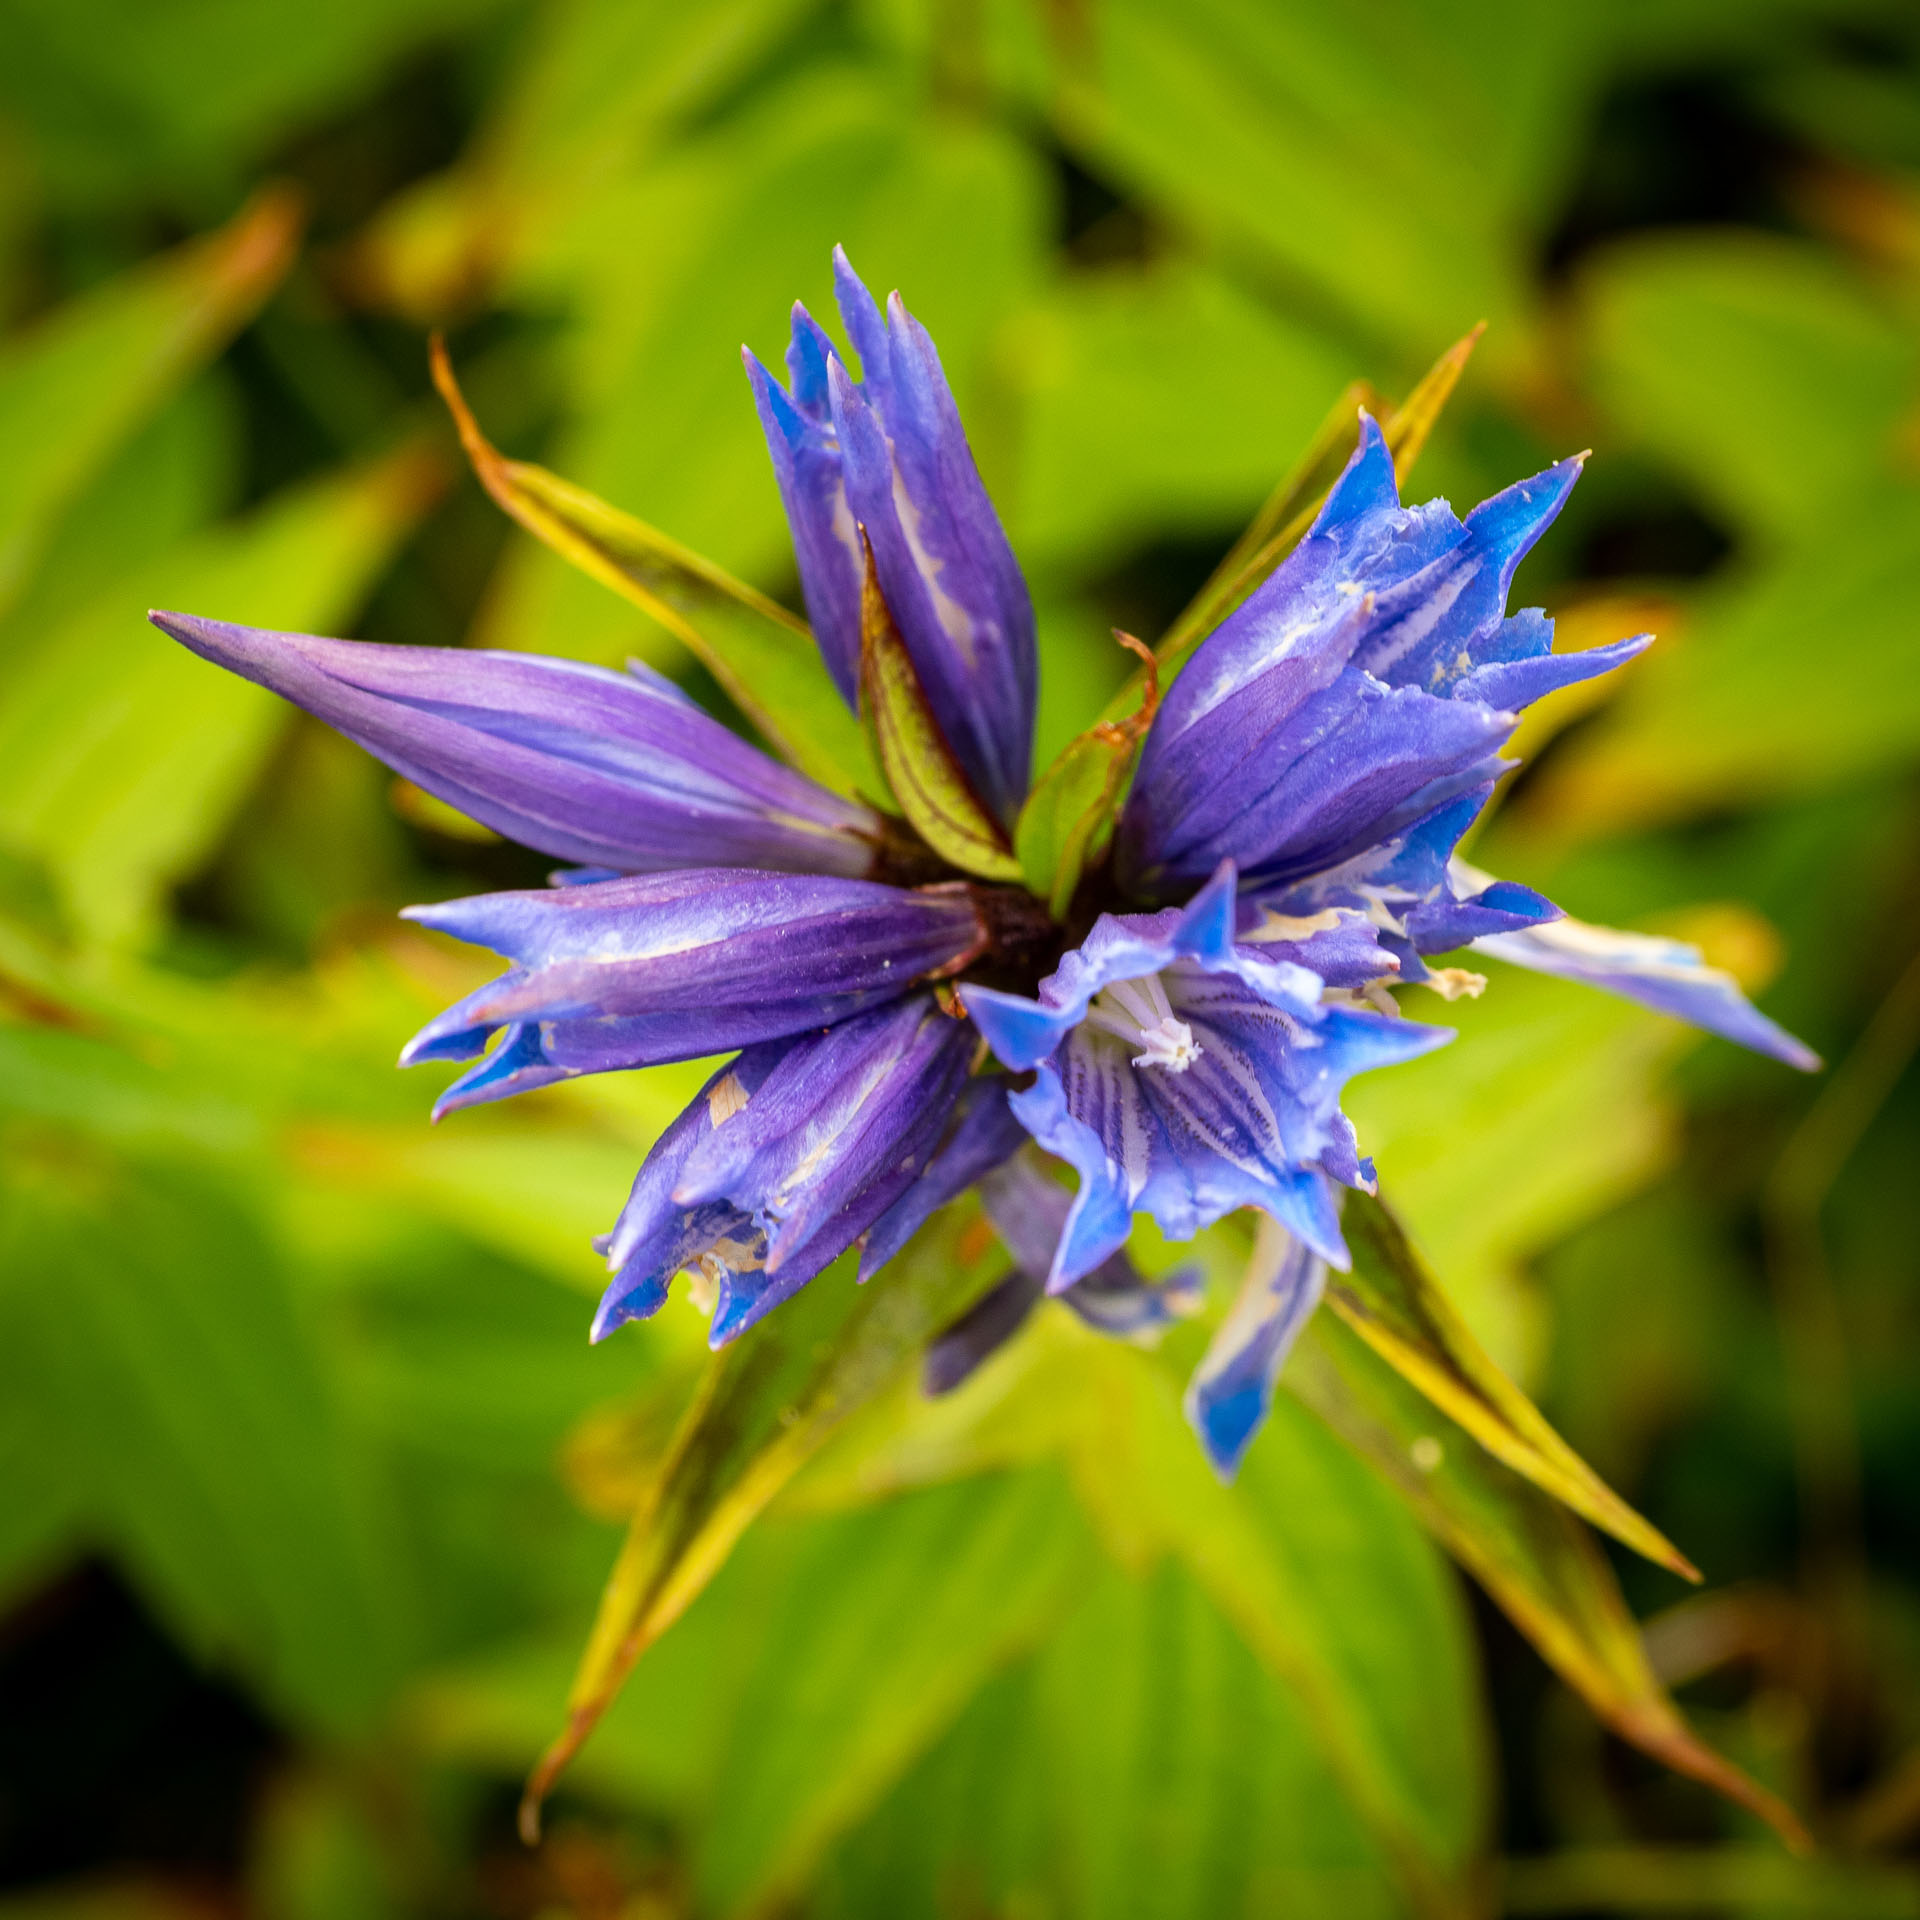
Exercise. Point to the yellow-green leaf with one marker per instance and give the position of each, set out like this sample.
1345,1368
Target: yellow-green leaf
1532,1556
921,770
122,756
766,1405
76,384
1069,816
1114,1415
1393,1303
1754,1879
760,653
1149,1487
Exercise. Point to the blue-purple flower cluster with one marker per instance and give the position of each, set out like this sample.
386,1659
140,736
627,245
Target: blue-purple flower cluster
1286,857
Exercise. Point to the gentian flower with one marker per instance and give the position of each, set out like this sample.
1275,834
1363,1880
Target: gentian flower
892,1032
887,454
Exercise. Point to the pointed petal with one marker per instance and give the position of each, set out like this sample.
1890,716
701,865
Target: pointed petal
1353,767
1029,1211
1669,976
519,1064
1129,946
1117,1300
866,326
1418,897
1514,684
1340,944
655,1236
806,463
1273,726
1432,628
1366,484
1252,1120
1240,707
1230,1395
603,768
808,351
1101,1215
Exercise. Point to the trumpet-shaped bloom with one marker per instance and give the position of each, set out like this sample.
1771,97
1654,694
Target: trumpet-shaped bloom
673,966
786,1158
617,770
1185,1074
1286,856
1372,679
887,452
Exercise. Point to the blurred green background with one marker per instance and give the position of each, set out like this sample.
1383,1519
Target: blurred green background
308,1478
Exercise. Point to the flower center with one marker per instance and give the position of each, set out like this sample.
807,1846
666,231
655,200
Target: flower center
1138,1012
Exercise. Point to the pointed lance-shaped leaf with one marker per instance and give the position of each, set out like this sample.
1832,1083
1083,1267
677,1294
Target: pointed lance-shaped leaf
1533,1557
1392,1302
762,655
1069,816
921,769
766,1404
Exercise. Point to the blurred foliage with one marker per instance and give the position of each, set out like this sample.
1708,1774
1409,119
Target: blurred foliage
308,1479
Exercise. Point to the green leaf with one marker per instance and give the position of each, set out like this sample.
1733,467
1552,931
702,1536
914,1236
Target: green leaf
1767,371
1530,1554
1739,710
1547,1108
768,1402
200,1437
1280,135
1152,404
1732,1880
926,779
538,1194
129,103
1331,1587
976,1812
1183,1779
1068,818
1141,1766
590,86
1320,1572
1394,1305
894,1618
75,386
122,755
760,653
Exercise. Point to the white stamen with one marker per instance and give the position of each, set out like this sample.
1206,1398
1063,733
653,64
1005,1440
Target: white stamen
1139,1013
